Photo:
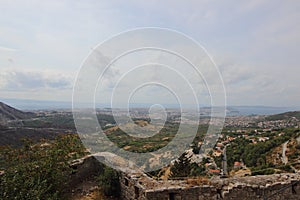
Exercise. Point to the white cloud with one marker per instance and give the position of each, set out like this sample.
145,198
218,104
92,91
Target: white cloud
7,49
29,80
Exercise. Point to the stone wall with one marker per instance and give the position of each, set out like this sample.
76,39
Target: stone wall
275,187
138,186
85,168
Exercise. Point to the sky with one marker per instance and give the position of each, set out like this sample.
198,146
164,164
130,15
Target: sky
255,44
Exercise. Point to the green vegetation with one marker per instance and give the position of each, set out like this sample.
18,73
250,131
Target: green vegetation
38,171
168,132
183,167
142,145
236,150
105,119
109,182
254,155
266,171
53,121
63,121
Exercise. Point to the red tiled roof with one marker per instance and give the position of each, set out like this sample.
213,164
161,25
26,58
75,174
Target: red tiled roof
214,171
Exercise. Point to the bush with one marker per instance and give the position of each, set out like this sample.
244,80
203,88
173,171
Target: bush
196,149
109,182
287,168
37,171
182,167
263,172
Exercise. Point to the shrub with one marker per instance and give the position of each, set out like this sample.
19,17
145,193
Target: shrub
267,171
109,182
38,171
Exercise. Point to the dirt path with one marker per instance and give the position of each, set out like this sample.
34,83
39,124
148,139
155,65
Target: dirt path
284,157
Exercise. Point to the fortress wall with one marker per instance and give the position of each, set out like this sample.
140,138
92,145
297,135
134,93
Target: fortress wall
143,188
131,189
138,186
277,191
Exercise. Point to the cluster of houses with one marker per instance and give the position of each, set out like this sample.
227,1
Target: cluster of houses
254,137
292,122
261,122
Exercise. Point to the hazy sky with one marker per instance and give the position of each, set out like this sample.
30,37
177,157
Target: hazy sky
254,43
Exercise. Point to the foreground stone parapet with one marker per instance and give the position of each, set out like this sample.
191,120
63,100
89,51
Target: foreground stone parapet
138,186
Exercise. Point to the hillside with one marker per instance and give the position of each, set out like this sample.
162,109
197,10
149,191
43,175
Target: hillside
9,113
284,116
16,125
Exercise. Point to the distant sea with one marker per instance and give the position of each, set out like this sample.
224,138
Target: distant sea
258,110
25,104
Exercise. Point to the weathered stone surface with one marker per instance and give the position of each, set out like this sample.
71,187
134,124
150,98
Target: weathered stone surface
247,188
138,186
85,167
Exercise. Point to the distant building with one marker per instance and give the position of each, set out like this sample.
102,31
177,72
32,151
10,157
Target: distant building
217,153
238,165
214,172
263,139
253,140
220,145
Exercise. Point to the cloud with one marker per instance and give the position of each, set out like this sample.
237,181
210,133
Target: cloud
7,49
258,40
20,80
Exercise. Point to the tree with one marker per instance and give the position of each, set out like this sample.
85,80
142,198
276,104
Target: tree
198,170
196,149
109,182
182,167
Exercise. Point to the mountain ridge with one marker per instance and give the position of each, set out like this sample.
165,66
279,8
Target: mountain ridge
8,113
